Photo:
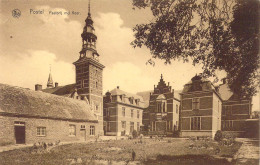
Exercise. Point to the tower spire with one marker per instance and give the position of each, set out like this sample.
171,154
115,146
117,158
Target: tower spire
88,6
50,81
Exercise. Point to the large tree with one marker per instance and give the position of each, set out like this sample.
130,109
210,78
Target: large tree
219,34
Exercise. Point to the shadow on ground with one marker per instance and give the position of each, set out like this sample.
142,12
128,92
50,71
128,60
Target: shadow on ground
188,159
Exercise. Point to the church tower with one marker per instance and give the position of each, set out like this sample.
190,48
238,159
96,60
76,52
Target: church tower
89,70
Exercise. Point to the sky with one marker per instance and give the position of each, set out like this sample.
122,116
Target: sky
33,42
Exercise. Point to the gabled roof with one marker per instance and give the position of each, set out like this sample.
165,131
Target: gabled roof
146,97
225,92
25,102
66,90
118,92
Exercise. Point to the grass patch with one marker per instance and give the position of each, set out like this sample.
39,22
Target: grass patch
5,143
147,150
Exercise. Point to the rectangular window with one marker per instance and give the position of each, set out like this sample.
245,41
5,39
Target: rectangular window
85,83
228,124
72,130
153,126
138,126
132,127
195,123
228,110
85,69
138,115
78,69
159,106
82,127
114,98
108,126
123,124
123,111
92,130
105,112
41,131
132,113
108,112
79,84
169,125
177,109
195,103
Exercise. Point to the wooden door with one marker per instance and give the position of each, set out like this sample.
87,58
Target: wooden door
19,134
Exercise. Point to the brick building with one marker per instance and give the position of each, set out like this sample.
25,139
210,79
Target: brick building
200,108
206,109
123,112
29,117
235,111
162,114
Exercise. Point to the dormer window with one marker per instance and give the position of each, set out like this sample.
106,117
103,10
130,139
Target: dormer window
131,100
114,98
137,101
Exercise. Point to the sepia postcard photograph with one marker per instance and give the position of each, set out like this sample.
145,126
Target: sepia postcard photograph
129,82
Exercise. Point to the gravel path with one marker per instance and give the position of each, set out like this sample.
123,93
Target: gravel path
248,153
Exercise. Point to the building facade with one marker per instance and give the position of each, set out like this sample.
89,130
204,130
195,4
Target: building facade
201,108
123,113
161,117
235,111
30,117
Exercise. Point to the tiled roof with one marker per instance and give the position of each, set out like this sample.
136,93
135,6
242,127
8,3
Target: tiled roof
117,92
25,102
198,83
66,90
177,94
146,97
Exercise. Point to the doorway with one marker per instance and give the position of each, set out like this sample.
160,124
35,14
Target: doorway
19,131
82,133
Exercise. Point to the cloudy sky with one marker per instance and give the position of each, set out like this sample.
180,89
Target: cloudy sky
33,42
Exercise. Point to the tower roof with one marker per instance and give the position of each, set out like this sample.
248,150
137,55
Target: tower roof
50,81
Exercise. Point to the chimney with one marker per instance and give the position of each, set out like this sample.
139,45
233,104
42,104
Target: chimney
117,87
168,83
38,87
56,84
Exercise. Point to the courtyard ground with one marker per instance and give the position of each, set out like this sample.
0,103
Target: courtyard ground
147,151
248,152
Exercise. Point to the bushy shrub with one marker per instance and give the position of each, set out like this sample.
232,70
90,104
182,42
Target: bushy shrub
176,134
134,134
218,136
